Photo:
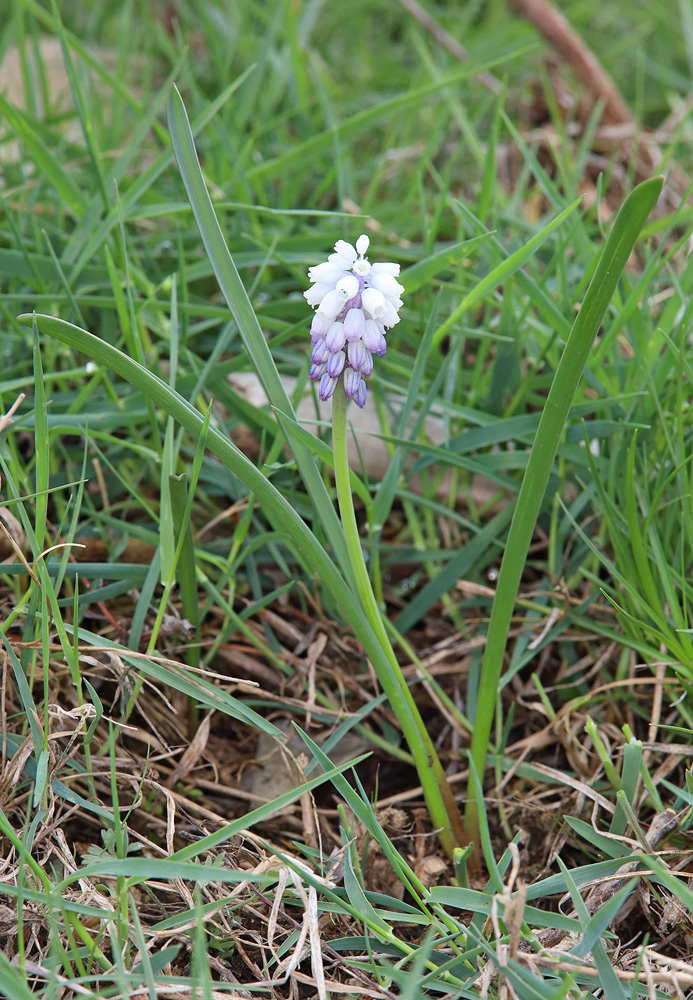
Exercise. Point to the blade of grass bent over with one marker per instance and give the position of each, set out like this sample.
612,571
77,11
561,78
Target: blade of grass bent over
614,257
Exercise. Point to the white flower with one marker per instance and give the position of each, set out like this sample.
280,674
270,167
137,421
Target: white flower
348,287
331,305
327,273
346,251
385,268
387,285
356,302
317,293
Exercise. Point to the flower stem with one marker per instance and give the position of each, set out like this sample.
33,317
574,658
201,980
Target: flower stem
439,798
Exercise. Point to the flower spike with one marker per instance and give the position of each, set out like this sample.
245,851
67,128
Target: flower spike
355,302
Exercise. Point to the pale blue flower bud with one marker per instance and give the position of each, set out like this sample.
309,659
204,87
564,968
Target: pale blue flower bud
360,359
372,333
335,364
351,382
320,352
327,387
354,323
360,397
318,328
336,337
317,371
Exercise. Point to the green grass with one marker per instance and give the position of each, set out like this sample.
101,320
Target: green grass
199,602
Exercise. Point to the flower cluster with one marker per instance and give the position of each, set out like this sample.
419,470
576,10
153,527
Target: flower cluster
356,302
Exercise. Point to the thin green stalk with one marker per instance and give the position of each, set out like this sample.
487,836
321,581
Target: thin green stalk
439,799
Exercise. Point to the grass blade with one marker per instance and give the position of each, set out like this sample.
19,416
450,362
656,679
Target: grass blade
613,259
246,320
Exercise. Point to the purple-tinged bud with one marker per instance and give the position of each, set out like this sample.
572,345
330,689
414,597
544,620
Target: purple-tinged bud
381,348
327,387
361,393
354,324
351,382
319,326
372,333
317,371
335,364
320,352
360,359
336,337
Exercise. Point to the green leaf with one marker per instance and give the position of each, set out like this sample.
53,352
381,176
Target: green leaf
241,308
611,263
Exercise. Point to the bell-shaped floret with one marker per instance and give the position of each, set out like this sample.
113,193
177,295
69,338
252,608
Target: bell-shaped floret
335,337
316,293
374,303
348,287
382,346
351,382
387,285
346,251
390,316
354,324
319,352
386,267
327,387
319,327
335,364
331,305
360,394
360,359
326,273
372,332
